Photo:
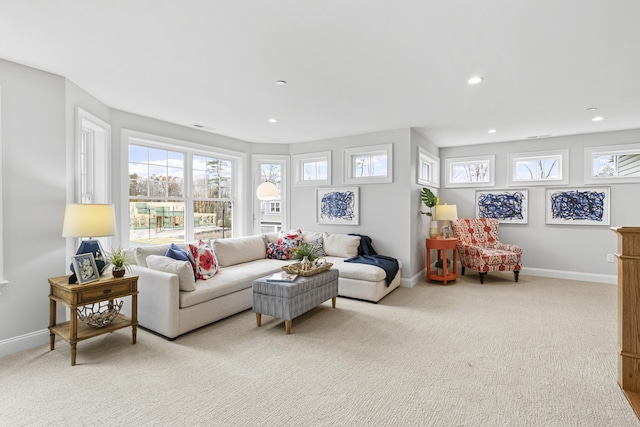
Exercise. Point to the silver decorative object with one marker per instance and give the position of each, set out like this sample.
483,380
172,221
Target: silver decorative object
100,314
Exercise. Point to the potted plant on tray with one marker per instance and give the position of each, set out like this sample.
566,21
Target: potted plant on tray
119,259
306,253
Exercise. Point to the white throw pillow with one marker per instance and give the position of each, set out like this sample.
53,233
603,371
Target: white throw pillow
183,269
341,245
237,250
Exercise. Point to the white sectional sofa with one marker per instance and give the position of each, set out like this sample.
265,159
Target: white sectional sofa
165,308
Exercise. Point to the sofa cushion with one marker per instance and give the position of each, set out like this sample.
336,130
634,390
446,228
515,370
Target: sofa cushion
183,269
238,250
142,252
341,245
229,280
206,265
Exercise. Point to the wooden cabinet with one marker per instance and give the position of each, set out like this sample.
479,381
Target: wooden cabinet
75,295
442,246
629,313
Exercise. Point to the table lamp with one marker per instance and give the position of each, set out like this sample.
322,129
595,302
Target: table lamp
89,220
446,213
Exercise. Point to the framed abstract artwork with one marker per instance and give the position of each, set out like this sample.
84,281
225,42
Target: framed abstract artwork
507,206
578,206
337,205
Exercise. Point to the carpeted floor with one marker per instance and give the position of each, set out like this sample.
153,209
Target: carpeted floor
541,352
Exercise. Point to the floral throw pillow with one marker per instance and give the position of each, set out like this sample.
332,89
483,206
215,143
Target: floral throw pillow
206,264
286,245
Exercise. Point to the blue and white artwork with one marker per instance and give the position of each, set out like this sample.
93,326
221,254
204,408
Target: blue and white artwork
507,206
578,206
337,205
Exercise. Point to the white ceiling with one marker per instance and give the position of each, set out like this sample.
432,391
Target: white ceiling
352,66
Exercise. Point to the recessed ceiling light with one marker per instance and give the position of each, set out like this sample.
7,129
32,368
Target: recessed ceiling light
597,118
492,131
281,82
591,109
273,120
475,80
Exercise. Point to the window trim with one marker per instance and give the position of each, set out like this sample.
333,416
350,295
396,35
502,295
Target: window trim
589,152
190,149
434,165
491,159
256,160
563,168
350,153
299,159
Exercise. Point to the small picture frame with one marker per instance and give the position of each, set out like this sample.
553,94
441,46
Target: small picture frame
84,266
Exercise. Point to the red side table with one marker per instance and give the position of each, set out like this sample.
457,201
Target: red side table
442,246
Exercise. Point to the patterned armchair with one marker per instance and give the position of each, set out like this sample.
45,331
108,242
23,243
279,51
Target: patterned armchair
480,249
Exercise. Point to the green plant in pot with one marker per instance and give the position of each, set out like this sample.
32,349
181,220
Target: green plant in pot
120,261
438,264
430,200
306,250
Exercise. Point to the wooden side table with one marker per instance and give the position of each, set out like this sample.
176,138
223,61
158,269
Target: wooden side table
442,246
75,295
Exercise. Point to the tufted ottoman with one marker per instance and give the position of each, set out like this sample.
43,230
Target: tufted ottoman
286,300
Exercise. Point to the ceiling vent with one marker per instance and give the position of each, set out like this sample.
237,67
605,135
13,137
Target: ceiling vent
204,127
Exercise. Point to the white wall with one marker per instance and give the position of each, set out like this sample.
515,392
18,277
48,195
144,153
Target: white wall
34,194
386,213
567,248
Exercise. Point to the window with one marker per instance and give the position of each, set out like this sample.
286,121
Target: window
312,168
368,165
212,201
470,171
93,166
428,168
619,163
269,215
541,168
274,208
177,192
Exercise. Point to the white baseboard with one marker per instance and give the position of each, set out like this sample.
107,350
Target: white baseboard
571,275
24,342
542,272
411,281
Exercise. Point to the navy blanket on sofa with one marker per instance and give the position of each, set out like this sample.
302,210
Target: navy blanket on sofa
368,255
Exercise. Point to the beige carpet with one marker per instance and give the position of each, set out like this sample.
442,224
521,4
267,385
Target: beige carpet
541,352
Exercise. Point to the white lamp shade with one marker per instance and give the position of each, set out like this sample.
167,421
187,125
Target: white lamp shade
267,191
89,220
446,212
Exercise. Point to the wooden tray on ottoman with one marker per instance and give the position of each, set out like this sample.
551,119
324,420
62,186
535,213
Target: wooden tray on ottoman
295,269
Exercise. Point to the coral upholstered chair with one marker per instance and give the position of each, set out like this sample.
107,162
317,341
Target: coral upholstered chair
480,249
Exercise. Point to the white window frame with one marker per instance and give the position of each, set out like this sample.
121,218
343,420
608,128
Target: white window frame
96,164
299,160
433,178
351,153
285,208
3,282
189,149
563,168
449,163
591,152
